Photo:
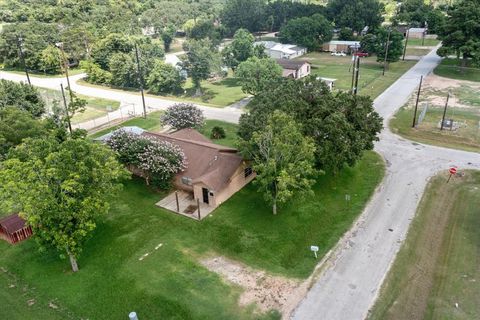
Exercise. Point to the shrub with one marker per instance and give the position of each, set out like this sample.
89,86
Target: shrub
217,133
183,115
159,160
164,78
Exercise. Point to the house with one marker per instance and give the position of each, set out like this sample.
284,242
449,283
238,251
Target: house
13,229
277,50
417,33
340,45
214,172
295,69
330,82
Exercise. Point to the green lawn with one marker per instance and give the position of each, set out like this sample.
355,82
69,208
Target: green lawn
170,283
371,82
437,265
466,137
230,132
96,107
71,72
418,42
416,52
451,68
151,123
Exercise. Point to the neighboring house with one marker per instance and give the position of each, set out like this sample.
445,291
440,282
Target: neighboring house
277,50
214,172
294,69
417,33
13,229
339,45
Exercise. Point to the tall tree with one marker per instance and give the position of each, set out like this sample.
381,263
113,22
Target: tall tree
419,13
201,61
309,32
356,14
240,49
376,43
282,157
164,78
22,96
257,74
460,34
60,188
247,14
342,125
51,60
168,34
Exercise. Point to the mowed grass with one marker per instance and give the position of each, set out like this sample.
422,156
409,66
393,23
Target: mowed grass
95,108
170,283
150,123
40,74
220,93
427,42
437,266
371,82
466,137
230,132
451,68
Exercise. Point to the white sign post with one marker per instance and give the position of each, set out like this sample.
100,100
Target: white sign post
314,249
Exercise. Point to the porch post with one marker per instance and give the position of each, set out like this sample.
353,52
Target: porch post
198,207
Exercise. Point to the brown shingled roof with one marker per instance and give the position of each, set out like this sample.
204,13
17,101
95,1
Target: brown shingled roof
12,223
207,162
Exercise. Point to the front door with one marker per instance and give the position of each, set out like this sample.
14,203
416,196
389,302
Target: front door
205,195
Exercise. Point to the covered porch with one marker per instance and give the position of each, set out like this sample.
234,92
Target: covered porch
184,203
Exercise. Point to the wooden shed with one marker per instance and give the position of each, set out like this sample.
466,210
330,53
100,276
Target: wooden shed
13,229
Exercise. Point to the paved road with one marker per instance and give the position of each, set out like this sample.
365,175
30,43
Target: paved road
131,103
348,286
349,283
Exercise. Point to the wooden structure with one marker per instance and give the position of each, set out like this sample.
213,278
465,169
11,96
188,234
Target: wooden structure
13,229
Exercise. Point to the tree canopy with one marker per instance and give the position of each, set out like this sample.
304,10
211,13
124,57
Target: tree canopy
256,74
240,49
22,96
60,188
341,125
356,14
375,43
201,61
460,33
309,32
247,14
282,157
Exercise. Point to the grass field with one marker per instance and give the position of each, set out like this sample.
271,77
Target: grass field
71,72
450,68
96,107
464,109
230,132
418,42
416,52
437,266
371,81
170,283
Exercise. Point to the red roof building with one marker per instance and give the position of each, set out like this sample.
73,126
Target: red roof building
13,229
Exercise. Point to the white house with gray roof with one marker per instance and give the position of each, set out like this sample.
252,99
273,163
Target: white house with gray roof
277,50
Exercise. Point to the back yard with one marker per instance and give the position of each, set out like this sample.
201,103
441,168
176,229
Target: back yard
116,276
463,108
436,273
371,81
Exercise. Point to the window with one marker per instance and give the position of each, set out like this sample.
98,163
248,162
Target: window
187,181
248,171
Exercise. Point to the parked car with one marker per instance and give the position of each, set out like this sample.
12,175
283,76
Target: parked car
361,54
338,54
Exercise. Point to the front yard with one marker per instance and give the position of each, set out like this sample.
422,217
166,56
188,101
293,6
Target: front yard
371,81
170,283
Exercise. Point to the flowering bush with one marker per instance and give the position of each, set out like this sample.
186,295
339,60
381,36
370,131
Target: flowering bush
159,160
183,115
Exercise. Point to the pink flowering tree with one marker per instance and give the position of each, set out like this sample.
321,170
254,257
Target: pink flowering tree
183,115
159,160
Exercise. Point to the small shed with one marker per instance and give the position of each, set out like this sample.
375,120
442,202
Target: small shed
340,45
13,229
417,33
330,82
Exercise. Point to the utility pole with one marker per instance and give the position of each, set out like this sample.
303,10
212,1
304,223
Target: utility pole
140,80
444,112
357,73
416,102
406,43
353,71
22,57
386,51
66,109
64,66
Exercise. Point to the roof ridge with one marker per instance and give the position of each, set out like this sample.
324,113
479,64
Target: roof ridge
210,145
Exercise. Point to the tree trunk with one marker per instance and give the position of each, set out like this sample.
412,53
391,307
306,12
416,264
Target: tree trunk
274,206
73,261
464,63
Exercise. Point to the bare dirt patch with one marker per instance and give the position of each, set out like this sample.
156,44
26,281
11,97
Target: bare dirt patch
266,291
